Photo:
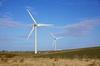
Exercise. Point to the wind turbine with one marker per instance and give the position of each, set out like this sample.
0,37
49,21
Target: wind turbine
55,40
35,25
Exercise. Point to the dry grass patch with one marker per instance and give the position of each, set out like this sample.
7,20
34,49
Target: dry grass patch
49,62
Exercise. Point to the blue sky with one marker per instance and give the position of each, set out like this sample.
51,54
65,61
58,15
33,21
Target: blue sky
78,21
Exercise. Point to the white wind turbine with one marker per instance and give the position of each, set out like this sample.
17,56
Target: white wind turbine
55,40
35,25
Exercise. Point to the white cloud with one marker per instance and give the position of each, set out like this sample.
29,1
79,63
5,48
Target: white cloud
9,22
79,29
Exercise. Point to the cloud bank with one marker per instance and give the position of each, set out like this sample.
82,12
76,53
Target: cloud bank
79,29
9,22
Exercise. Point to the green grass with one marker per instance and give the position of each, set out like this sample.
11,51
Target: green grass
92,52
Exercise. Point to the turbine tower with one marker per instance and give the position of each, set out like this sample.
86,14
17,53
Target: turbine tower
55,40
35,25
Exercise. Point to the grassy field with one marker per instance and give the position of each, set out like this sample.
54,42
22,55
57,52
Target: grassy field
74,57
49,62
93,52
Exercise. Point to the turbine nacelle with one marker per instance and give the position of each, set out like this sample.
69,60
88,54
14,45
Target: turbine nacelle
42,25
54,37
35,25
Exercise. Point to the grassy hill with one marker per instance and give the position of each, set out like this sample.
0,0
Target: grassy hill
92,52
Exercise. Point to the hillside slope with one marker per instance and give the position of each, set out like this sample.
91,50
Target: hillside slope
92,52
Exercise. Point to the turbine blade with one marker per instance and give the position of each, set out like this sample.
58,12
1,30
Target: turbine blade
44,25
30,33
31,16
